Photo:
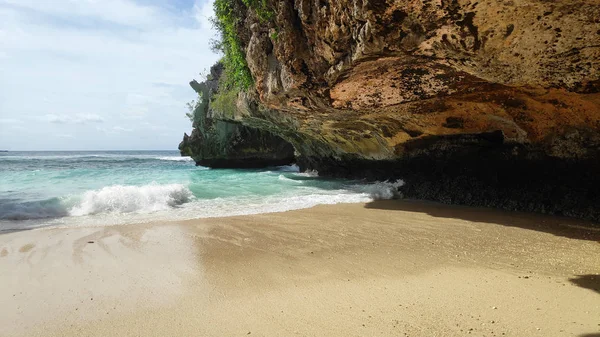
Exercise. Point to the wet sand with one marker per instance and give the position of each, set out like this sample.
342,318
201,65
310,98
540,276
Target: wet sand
387,268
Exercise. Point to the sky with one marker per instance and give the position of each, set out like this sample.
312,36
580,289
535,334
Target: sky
100,74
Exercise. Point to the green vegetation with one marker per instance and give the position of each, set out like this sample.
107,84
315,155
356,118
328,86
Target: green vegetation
191,106
227,21
261,8
225,102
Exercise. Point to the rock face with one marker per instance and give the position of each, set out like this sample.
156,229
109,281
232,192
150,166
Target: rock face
483,102
222,144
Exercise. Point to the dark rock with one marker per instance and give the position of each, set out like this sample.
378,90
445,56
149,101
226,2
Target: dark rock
481,170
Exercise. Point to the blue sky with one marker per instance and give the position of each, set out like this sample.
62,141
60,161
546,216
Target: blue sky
99,74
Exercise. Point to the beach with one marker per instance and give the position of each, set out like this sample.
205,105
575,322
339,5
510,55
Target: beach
384,268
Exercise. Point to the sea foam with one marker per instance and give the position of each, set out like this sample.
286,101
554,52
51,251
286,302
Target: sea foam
382,190
130,199
174,158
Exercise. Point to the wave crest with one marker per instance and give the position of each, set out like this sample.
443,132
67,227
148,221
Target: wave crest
131,199
174,158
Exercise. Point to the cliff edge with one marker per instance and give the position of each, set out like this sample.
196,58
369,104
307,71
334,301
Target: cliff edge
219,143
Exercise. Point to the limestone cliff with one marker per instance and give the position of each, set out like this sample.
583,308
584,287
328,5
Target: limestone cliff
483,102
223,144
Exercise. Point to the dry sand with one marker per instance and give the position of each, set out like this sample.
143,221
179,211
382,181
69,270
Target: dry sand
388,268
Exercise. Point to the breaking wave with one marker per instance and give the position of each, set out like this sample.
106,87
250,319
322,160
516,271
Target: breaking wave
130,199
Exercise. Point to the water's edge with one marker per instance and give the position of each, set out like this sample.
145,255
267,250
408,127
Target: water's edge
65,189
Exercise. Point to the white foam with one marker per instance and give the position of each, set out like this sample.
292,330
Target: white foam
311,174
382,190
115,205
107,156
221,207
129,199
284,178
174,158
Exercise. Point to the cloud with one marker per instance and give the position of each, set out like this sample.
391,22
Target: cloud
73,119
117,60
89,118
121,129
56,119
117,12
117,129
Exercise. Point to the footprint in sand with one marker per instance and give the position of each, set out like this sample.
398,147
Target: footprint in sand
26,248
4,252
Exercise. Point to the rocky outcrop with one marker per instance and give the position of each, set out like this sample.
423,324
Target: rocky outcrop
370,79
485,102
219,143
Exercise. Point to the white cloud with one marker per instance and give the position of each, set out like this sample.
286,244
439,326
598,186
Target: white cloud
88,118
57,119
121,12
121,129
118,60
73,119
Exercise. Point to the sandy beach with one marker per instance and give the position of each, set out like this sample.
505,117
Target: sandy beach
386,268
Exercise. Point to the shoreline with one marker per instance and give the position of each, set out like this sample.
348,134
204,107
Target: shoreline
408,203
415,268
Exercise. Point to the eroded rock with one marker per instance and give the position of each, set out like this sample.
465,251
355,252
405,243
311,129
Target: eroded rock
482,102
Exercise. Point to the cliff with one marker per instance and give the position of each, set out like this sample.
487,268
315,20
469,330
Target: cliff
488,102
219,143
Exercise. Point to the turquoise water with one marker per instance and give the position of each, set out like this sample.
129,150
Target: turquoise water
103,188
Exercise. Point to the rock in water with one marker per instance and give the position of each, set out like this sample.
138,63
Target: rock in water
219,143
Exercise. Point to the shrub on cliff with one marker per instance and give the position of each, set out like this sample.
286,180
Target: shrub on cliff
228,15
226,21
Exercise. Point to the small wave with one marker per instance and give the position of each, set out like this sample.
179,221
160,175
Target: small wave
94,157
284,178
310,174
174,158
132,199
63,157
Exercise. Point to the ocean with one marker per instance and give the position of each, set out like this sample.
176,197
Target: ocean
70,189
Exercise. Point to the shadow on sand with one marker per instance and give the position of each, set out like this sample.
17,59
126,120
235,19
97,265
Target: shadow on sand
591,282
561,226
